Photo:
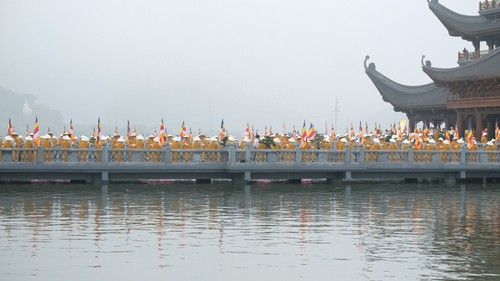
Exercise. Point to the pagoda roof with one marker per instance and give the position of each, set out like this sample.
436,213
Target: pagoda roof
468,27
403,97
484,68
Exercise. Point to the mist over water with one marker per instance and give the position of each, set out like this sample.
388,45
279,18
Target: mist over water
221,231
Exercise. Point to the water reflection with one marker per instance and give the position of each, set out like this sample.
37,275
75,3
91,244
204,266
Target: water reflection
283,231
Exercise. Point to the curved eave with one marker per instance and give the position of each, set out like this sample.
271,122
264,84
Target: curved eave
467,27
403,97
485,68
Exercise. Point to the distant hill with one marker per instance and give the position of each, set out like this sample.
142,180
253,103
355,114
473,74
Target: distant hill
22,110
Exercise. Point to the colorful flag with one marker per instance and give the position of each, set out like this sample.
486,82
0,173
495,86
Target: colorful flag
71,131
303,134
470,138
36,133
163,133
222,132
332,133
129,132
312,132
247,131
10,130
99,130
183,131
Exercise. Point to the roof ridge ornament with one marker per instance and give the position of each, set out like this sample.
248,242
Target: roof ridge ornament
427,62
371,66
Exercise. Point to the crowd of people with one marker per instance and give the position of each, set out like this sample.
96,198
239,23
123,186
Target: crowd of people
22,148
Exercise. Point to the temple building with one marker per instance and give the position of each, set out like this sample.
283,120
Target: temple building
467,96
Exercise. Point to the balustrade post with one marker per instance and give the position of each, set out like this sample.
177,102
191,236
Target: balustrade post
39,155
166,154
347,155
104,154
411,154
248,154
231,157
298,154
462,154
362,154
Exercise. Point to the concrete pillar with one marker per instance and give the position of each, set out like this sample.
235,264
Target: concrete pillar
104,177
479,125
450,179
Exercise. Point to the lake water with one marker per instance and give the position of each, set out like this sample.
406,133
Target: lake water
268,231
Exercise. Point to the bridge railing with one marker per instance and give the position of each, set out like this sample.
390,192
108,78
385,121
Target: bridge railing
232,155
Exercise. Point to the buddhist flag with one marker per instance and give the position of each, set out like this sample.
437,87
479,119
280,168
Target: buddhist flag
303,134
36,133
360,133
332,133
71,131
163,133
222,132
129,132
183,132
247,131
470,138
312,132
99,130
10,130
265,130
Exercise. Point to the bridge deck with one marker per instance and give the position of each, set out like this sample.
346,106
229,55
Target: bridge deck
244,165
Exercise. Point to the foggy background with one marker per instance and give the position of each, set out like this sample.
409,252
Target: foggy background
261,62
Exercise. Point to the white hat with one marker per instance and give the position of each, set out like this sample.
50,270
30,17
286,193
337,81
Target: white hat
246,139
157,139
406,141
392,140
432,141
446,142
8,138
121,139
66,137
231,138
176,138
460,140
490,143
292,140
197,138
377,140
277,140
28,138
343,140
326,138
46,136
140,137
84,138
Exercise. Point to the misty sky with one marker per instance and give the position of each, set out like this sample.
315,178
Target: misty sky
262,62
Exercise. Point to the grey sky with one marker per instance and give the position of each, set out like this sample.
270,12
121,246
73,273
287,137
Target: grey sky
262,62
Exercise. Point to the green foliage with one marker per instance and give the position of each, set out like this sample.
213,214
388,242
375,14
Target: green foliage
317,140
267,141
